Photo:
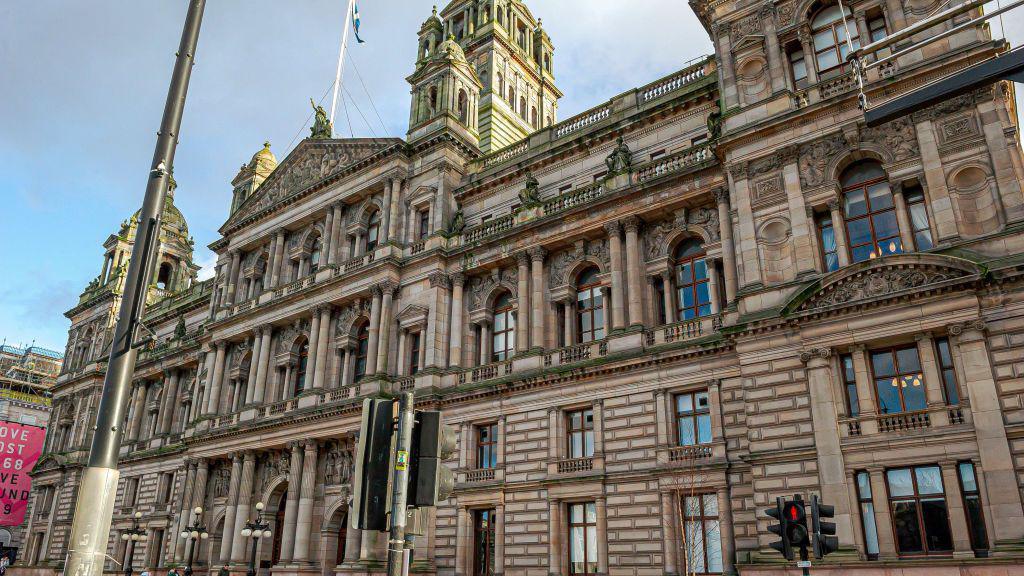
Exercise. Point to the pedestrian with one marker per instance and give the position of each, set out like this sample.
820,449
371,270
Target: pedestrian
5,561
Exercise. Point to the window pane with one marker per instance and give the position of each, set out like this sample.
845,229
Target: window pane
591,509
684,403
923,239
703,293
588,444
691,506
695,546
900,482
882,364
860,231
918,216
824,39
510,340
704,428
499,343
976,523
685,274
832,262
888,395
686,297
862,253
576,551
929,480
936,525
686,432
885,225
703,403
828,59
914,395
711,505
713,537
828,239
854,204
908,530
867,511
576,513
576,445
967,477
864,485
591,549
799,70
908,360
700,269
499,322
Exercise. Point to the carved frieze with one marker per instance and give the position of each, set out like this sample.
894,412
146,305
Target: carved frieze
596,250
814,157
746,26
879,282
349,314
897,137
657,235
275,464
338,465
481,286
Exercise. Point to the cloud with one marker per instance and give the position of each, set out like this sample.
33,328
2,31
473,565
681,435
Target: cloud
207,263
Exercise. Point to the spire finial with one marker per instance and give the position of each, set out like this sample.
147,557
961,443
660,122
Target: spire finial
435,9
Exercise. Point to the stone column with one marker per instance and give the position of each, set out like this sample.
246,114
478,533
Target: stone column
801,227
883,520
305,516
396,195
314,347
669,539
935,178
932,376
727,531
325,239
259,394
499,539
455,342
1003,504
903,218
170,403
228,536
199,488
804,35
831,469
183,509
485,342
323,355
716,303
865,390
385,213
463,537
291,510
839,230
138,411
243,508
352,538
602,534
634,273
955,506
554,538
373,330
279,259
213,401
668,294
776,68
537,255
346,367
383,338
720,33
523,303
618,312
747,248
1001,148
233,277
336,238
254,365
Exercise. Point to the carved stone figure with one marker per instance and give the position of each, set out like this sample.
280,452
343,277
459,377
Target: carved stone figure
457,224
596,250
530,196
620,161
814,157
322,127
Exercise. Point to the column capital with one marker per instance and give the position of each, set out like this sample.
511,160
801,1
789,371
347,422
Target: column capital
738,170
537,254
267,329
316,309
235,456
388,287
631,224
833,206
923,337
816,355
249,455
721,195
457,278
439,280
789,154
977,327
294,445
311,444
613,228
523,258
666,276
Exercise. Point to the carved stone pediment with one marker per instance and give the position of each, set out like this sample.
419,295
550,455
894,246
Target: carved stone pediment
882,279
412,315
310,162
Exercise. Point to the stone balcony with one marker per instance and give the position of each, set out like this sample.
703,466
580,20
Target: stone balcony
920,422
691,456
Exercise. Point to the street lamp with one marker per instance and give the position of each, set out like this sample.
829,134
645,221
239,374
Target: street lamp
131,536
193,533
255,529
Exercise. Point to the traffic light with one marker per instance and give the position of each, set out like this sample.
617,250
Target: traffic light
796,525
370,493
782,544
825,540
430,481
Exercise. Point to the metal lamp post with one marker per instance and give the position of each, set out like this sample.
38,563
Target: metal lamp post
193,534
131,536
255,529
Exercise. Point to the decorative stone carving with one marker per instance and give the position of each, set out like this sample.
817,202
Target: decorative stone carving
747,26
348,315
952,106
529,197
337,466
481,286
656,235
819,353
879,282
322,127
288,336
583,249
897,137
620,161
785,13
276,464
814,158
221,482
764,165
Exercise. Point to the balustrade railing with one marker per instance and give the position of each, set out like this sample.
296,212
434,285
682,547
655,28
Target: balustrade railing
489,228
571,465
904,421
659,88
581,121
674,163
573,198
506,153
689,453
480,475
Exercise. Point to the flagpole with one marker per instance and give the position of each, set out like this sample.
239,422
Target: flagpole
341,59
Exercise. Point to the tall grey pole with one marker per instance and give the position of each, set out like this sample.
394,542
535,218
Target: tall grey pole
95,504
397,565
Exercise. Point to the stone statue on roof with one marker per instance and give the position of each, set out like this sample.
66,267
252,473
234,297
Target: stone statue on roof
322,127
530,196
620,161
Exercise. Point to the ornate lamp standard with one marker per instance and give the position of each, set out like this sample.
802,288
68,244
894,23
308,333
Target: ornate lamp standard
255,529
193,533
131,536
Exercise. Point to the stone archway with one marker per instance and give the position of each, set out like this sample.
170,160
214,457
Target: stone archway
269,552
209,551
334,533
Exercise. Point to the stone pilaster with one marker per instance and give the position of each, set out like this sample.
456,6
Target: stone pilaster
323,355
634,273
384,332
291,510
523,303
455,342
537,255
260,388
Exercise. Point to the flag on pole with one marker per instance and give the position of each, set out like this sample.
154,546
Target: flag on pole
355,22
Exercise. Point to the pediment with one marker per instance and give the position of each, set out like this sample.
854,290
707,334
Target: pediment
413,314
755,41
310,162
883,279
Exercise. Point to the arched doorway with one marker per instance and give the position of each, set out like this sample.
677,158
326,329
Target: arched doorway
270,549
211,554
333,534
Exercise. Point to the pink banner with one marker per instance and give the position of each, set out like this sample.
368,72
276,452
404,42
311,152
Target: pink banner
20,448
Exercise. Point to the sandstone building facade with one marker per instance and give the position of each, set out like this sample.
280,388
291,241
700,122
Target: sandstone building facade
647,321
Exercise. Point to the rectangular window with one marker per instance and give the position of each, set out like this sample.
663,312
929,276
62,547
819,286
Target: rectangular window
487,446
972,506
414,353
919,218
799,68
693,418
876,27
583,538
581,433
827,234
166,487
919,514
899,381
131,488
850,385
483,542
702,534
424,223
945,356
867,515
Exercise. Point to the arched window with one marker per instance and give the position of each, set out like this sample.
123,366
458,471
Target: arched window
512,97
163,279
314,256
501,83
504,328
547,62
373,231
533,116
693,295
362,347
522,107
433,99
301,370
871,226
463,106
589,307
829,38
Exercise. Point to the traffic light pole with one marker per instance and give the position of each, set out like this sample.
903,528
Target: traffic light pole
95,505
397,557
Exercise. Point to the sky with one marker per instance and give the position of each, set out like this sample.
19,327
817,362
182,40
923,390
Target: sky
83,84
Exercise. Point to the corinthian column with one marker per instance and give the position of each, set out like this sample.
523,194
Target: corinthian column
522,332
305,516
260,387
323,354
537,255
455,343
291,508
373,330
728,248
244,503
314,347
633,272
213,402
614,230
227,537
383,335
392,208
254,364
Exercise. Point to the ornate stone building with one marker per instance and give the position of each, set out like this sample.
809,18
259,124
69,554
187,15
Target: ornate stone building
647,321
